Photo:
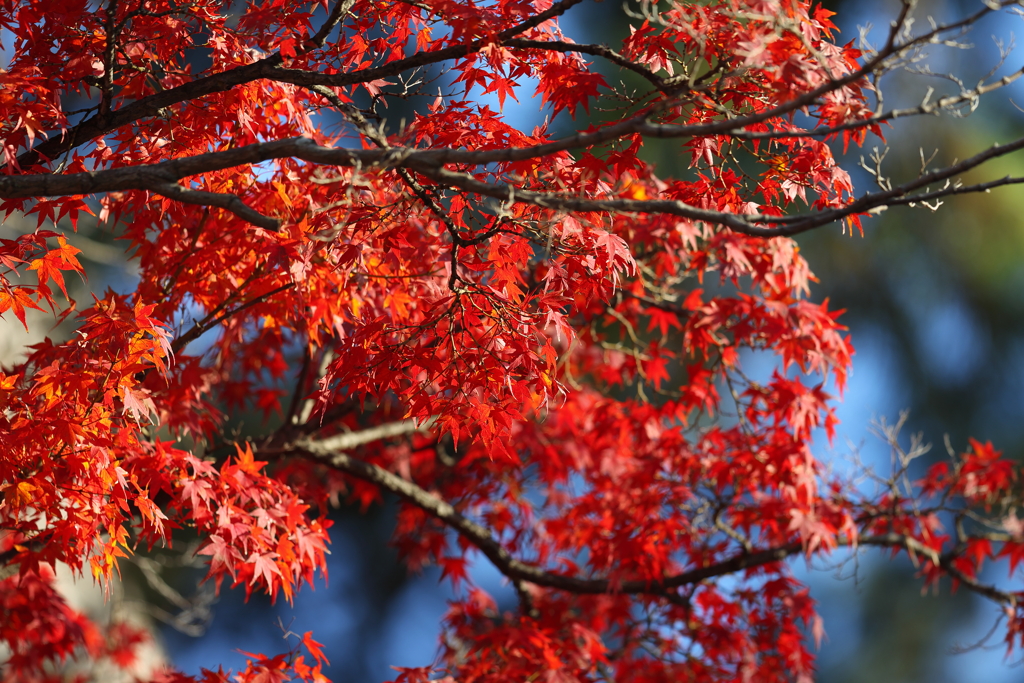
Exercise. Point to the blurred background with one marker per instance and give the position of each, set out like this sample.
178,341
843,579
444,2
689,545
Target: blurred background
935,305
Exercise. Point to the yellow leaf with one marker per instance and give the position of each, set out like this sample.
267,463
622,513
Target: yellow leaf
19,495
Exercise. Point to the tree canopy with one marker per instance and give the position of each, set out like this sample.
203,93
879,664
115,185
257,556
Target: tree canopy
532,339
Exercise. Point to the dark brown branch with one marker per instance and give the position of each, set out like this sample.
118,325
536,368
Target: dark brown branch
641,125
748,224
902,193
560,202
420,59
331,452
162,178
925,108
594,50
216,317
146,107
268,68
145,176
300,388
367,130
341,8
228,202
925,197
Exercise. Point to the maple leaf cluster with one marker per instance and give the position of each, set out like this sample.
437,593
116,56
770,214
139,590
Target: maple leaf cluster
531,339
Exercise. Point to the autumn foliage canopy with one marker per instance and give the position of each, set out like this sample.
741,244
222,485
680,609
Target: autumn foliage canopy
528,337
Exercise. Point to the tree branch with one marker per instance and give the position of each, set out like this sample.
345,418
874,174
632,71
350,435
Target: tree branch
218,315
162,178
228,202
350,440
330,451
753,224
341,8
268,68
925,108
596,51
